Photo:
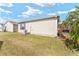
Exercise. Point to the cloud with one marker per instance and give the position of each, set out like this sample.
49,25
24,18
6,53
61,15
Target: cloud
6,4
52,14
24,16
61,12
57,13
6,11
29,12
32,11
2,20
72,9
1,10
67,11
45,4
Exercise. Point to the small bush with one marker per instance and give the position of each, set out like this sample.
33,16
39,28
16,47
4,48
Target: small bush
71,44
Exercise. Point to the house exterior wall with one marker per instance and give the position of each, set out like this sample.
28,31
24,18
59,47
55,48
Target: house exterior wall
9,27
1,28
43,27
15,27
27,27
19,29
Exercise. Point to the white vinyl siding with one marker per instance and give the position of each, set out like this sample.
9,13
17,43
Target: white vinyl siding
45,27
9,27
1,27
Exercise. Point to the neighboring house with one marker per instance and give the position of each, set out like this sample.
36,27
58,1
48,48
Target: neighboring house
44,26
11,26
1,27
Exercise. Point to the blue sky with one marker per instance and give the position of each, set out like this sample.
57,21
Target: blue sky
29,11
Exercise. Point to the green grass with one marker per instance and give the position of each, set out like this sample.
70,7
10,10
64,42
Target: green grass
16,44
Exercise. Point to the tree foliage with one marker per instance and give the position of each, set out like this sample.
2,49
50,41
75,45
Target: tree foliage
72,22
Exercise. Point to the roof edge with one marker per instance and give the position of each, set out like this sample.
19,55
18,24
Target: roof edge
54,17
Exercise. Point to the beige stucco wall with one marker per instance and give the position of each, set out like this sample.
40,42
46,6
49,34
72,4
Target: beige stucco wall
45,28
9,27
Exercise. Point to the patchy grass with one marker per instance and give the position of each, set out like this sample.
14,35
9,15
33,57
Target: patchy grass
16,44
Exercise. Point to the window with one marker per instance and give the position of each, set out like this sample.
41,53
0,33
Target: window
22,26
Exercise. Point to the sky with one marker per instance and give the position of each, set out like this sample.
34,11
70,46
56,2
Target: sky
30,11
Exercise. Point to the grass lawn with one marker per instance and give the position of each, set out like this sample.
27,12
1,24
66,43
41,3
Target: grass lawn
16,44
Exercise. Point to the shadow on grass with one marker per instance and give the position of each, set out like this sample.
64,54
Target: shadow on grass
1,43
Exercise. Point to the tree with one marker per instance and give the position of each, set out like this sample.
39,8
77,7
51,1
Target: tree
73,22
